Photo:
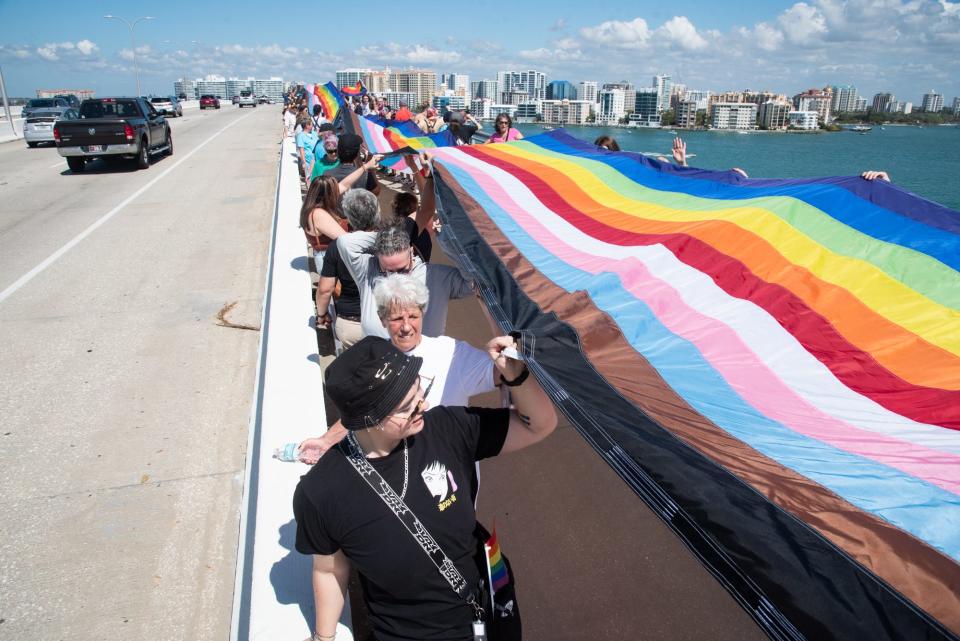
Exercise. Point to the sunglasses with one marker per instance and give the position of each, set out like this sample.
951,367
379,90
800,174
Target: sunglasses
418,408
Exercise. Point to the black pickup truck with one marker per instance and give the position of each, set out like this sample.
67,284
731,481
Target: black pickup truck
113,128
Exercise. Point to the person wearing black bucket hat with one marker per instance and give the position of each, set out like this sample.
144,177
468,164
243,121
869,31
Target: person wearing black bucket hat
352,154
426,456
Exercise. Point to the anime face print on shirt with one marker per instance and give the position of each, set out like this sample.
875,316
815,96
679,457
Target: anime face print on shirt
440,483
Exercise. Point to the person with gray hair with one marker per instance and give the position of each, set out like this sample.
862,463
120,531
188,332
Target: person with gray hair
457,369
392,254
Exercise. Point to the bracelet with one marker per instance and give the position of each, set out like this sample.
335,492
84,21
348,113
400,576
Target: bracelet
517,381
320,637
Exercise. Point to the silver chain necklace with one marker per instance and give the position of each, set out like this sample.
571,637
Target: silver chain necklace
406,461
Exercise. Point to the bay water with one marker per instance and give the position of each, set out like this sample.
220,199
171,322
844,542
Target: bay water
922,160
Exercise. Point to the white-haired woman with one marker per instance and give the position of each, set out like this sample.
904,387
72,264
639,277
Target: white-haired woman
457,369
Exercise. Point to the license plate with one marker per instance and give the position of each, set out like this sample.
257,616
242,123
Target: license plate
94,147
47,127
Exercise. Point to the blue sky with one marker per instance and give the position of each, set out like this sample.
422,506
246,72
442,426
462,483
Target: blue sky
904,46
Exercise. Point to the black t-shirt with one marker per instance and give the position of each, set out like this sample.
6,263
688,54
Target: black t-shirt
342,171
422,242
348,303
336,510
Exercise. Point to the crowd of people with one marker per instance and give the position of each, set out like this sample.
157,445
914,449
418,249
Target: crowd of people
393,483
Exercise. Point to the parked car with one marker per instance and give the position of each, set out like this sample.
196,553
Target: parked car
247,99
235,99
167,105
265,100
208,101
39,125
113,128
57,102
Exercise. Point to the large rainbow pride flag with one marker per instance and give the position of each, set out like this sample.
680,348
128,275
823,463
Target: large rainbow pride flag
390,137
327,96
772,365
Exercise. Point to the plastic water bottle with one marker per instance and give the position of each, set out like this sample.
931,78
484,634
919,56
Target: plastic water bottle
288,453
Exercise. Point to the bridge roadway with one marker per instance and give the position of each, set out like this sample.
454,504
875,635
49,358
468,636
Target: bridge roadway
126,401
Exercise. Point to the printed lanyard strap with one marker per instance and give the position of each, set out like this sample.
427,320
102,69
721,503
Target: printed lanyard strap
427,543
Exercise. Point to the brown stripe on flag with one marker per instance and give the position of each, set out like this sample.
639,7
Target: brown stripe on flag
921,573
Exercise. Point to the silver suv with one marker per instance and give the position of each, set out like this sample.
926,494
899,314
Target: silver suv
247,99
38,126
167,105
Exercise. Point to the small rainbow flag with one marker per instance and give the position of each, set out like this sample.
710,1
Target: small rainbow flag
395,139
356,90
329,98
499,576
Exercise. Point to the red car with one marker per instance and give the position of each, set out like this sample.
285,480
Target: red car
209,102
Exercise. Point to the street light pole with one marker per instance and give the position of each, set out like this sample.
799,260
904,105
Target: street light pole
133,44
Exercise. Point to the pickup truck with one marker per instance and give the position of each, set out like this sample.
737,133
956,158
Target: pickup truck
113,128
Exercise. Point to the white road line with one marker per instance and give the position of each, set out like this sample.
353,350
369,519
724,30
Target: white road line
26,278
62,162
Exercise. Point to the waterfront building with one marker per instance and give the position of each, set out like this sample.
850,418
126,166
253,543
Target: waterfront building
760,97
212,85
882,102
733,115
420,82
458,83
956,106
807,120
611,107
678,92
531,82
663,84
860,105
685,114
646,107
566,112
844,98
448,103
932,102
773,115
588,91
629,97
185,87
350,77
270,87
818,100
561,90
482,108
377,82
702,98
528,111
489,89
501,108
394,98
514,97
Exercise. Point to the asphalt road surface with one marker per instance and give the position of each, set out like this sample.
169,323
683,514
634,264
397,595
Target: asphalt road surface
125,401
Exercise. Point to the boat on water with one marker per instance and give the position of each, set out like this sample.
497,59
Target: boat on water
860,129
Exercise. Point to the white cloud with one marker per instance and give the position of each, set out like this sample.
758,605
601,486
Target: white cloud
634,34
802,24
545,55
422,54
680,31
48,52
767,38
86,47
566,43
558,25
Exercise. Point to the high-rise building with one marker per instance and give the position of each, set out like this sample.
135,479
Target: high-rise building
733,115
702,98
611,109
815,100
844,98
212,85
449,102
350,77
956,106
561,90
646,107
566,112
882,102
773,115
663,84
629,97
528,111
482,108
861,105
421,82
531,82
458,83
185,87
587,91
394,98
234,86
932,102
377,81
270,87
685,114
514,97
489,89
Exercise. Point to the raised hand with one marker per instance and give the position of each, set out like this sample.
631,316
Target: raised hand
680,151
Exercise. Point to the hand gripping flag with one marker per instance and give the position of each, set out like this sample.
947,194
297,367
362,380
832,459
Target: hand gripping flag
772,365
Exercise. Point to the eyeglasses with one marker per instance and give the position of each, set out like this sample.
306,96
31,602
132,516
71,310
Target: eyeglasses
401,270
418,408
502,122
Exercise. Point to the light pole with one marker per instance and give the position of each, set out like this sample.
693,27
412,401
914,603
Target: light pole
133,45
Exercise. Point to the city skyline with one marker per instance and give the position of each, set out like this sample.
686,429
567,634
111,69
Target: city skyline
903,48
